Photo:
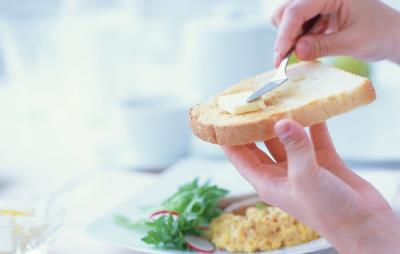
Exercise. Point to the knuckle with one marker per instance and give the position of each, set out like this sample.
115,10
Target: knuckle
324,47
298,144
320,48
314,48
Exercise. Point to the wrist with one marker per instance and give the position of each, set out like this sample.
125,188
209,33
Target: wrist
373,234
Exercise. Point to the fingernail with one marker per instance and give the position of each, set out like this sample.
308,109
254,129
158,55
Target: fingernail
283,130
303,49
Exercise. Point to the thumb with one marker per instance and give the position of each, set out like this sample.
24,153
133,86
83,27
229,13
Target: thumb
300,151
312,46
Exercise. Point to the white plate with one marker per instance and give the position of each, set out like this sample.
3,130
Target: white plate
220,173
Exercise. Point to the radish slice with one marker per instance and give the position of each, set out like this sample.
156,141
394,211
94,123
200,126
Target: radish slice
158,214
242,204
199,244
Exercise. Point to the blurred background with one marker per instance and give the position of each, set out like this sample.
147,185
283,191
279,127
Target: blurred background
106,84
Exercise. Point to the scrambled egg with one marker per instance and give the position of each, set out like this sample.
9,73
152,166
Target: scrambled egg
260,229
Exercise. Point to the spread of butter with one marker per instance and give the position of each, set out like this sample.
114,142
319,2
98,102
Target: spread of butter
237,103
297,78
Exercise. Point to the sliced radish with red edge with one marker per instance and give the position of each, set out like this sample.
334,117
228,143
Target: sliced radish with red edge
199,244
158,214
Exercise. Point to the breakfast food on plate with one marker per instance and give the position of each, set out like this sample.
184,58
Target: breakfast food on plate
259,229
200,218
313,93
180,222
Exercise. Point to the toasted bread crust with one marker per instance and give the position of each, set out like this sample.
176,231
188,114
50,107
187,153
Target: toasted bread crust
312,113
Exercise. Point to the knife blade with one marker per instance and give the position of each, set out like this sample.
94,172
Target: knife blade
266,89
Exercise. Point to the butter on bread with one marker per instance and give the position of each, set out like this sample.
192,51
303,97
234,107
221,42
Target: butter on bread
237,103
323,93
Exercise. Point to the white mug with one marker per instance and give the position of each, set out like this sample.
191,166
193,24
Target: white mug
158,130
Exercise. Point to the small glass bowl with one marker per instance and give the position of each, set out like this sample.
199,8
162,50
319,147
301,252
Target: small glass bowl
27,228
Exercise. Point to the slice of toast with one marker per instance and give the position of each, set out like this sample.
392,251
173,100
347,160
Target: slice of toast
322,92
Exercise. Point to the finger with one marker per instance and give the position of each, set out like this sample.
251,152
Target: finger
321,138
276,149
333,24
311,46
302,163
325,149
248,164
277,16
264,158
290,27
266,179
241,157
293,18
321,25
323,142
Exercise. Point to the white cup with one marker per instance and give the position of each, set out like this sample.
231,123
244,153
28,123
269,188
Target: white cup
158,130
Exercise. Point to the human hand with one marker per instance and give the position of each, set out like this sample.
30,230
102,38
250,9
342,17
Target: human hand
307,178
366,29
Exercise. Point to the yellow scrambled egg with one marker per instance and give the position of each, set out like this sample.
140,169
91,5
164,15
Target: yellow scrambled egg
260,229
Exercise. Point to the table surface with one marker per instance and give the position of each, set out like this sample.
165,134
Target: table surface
87,197
104,190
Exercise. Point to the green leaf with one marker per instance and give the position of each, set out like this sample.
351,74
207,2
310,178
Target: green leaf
196,204
196,201
261,205
125,222
166,233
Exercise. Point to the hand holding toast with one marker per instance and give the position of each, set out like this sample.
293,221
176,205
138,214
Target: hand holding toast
304,175
306,178
366,29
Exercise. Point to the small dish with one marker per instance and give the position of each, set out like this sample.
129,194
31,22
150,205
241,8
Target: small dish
29,227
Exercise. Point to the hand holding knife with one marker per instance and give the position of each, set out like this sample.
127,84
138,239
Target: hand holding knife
280,75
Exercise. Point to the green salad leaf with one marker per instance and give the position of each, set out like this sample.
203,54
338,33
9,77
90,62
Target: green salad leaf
196,204
126,222
261,205
167,232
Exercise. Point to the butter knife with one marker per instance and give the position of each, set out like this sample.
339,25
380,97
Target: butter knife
280,76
